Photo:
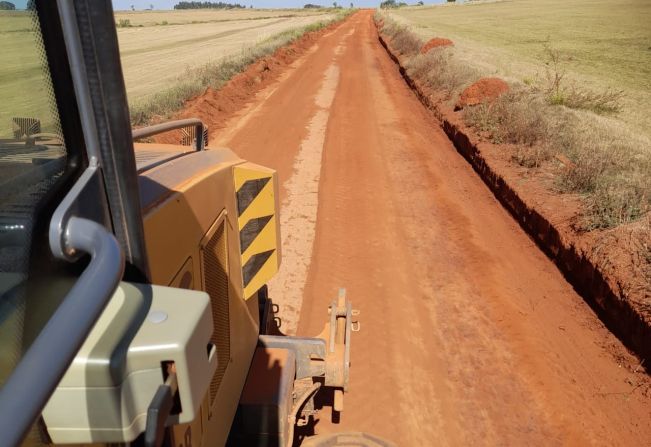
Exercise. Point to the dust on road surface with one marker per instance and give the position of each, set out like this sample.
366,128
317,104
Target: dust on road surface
469,334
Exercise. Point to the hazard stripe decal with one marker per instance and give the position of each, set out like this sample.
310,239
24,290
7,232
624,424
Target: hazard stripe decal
248,192
257,224
251,231
253,266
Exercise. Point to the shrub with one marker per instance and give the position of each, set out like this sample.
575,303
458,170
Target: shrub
402,39
514,118
608,165
560,92
615,201
441,70
124,23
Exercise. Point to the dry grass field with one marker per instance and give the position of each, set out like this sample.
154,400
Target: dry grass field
155,55
194,16
20,71
159,50
580,77
604,43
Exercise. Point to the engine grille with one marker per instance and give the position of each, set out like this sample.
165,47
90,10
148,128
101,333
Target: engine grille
215,271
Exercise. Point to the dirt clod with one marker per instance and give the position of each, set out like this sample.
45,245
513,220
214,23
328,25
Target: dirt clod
484,90
436,43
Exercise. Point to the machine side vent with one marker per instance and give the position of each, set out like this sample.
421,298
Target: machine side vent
215,273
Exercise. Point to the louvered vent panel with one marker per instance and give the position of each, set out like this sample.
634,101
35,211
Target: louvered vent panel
216,280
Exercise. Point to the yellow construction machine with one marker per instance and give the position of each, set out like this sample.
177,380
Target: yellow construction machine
133,305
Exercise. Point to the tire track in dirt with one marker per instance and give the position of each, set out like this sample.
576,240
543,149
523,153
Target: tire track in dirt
470,335
298,211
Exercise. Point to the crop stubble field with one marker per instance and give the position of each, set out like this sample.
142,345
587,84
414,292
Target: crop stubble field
156,55
604,43
158,49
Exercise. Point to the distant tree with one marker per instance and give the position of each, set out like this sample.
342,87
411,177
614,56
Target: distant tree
334,4
388,4
420,3
133,8
7,6
311,6
351,5
151,6
31,5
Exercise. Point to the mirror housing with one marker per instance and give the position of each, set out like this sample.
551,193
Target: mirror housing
105,394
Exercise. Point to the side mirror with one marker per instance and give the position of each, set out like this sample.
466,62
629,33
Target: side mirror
145,334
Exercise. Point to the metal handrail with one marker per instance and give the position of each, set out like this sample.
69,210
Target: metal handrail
156,129
25,393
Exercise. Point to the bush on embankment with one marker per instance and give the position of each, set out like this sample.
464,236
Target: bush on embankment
608,167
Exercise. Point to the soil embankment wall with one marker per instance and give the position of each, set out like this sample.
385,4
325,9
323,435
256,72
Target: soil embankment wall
614,306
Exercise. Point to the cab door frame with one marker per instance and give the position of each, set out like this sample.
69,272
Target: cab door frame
100,215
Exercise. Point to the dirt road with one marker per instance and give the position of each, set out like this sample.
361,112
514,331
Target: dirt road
469,334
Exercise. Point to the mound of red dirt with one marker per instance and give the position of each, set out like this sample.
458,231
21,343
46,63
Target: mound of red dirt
435,43
484,90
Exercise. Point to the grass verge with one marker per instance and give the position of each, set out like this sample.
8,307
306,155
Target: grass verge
548,121
215,75
610,269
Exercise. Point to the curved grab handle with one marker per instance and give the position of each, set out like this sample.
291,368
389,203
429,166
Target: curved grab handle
29,387
156,129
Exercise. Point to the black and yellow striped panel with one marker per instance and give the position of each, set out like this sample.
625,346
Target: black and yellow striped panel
255,189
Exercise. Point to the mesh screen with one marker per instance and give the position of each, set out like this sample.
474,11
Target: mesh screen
32,160
216,281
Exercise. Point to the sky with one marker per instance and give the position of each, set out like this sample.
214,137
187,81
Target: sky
119,5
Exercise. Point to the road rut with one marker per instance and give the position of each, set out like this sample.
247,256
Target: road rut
469,334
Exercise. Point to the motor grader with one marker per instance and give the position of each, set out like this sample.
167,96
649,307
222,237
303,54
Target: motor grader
133,306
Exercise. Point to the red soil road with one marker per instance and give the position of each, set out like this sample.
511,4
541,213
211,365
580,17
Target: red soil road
469,334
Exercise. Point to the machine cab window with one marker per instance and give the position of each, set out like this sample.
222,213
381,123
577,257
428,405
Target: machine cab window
36,167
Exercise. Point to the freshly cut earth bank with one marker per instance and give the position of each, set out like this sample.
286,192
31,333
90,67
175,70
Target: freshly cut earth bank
611,269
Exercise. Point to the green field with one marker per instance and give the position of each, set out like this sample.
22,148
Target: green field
605,43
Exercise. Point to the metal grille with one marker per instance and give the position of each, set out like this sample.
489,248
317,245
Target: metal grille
24,127
215,272
188,137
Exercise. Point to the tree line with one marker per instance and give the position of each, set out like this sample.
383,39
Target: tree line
207,5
